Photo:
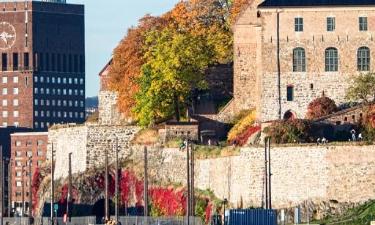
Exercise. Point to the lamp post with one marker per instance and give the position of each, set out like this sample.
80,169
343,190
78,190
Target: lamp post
224,203
116,180
52,185
106,185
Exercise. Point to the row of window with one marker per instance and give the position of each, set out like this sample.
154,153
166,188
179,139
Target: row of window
5,114
59,114
5,91
331,59
28,153
20,164
58,80
4,102
45,62
53,102
331,24
5,124
28,143
4,80
59,91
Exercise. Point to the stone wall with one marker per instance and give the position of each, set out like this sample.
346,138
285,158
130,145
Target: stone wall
316,173
88,144
108,111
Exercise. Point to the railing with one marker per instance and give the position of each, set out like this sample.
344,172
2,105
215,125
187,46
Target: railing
89,220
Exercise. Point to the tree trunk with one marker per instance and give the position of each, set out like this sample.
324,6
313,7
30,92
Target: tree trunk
176,107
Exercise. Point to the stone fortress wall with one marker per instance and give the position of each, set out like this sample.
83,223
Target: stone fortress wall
345,174
255,58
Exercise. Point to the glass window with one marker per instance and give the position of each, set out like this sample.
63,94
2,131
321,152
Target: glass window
18,183
36,113
15,102
299,60
5,102
363,59
4,60
36,79
5,80
18,153
290,93
15,80
5,91
363,24
15,91
331,60
331,23
15,114
35,90
16,124
18,143
5,114
40,142
26,60
298,24
15,61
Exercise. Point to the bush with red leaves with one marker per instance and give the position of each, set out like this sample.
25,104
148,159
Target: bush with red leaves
242,139
321,107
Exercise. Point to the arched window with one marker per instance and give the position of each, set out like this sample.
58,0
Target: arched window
332,60
299,60
363,59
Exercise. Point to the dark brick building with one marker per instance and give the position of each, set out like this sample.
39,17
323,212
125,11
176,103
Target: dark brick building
42,78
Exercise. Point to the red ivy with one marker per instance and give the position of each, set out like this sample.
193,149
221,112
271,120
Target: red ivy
37,179
242,139
168,201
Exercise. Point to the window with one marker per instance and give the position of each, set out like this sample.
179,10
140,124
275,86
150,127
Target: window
15,61
18,174
36,79
15,91
4,80
4,61
18,183
298,24
331,23
15,102
26,61
5,102
15,80
5,124
299,60
15,114
29,154
363,24
5,91
363,59
331,60
16,124
18,143
36,113
40,142
290,93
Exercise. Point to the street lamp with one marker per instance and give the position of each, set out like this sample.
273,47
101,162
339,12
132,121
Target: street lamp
30,189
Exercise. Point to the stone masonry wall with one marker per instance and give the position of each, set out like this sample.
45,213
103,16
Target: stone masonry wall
319,174
88,144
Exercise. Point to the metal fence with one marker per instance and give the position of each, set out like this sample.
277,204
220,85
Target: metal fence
93,221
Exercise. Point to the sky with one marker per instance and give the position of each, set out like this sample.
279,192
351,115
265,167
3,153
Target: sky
106,24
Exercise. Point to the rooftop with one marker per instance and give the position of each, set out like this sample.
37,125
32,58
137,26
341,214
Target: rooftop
314,3
30,134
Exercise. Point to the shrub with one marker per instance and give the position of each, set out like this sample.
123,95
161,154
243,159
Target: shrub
242,125
289,131
242,139
321,107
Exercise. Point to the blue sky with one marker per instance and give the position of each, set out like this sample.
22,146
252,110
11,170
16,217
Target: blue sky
106,24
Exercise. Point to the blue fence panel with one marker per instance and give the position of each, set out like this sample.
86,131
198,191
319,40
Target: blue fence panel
252,217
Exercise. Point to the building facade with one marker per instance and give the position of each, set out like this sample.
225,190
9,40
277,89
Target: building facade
42,77
288,53
28,152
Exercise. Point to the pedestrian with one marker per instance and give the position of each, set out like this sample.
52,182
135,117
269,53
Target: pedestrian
360,138
318,141
324,140
353,132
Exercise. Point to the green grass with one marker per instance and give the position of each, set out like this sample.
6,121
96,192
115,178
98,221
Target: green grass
361,215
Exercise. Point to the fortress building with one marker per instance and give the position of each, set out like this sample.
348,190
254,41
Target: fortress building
290,52
42,63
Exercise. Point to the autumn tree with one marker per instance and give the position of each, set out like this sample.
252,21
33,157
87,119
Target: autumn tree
362,89
127,62
320,107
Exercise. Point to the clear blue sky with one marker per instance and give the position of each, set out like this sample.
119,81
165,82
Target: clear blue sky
106,24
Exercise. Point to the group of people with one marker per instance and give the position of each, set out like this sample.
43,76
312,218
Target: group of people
354,137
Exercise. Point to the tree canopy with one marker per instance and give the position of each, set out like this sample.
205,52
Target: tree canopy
362,89
162,61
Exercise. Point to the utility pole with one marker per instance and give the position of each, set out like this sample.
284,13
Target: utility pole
188,208
52,186
30,190
269,174
146,183
192,198
68,199
266,172
2,185
116,181
106,185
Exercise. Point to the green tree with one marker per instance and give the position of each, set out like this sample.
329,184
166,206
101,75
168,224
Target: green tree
362,89
175,65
